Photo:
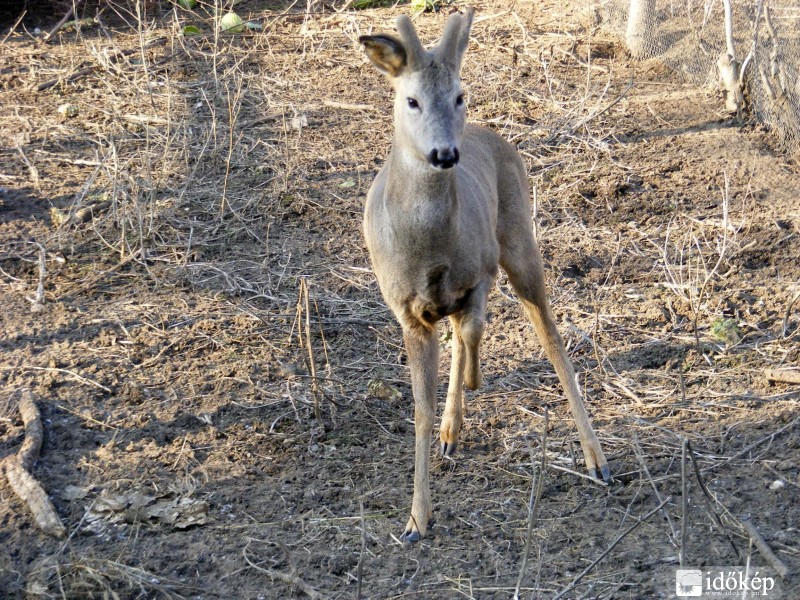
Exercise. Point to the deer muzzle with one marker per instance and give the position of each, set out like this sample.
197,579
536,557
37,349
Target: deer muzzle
443,158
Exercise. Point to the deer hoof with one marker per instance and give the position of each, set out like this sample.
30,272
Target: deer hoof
473,378
413,532
448,434
410,537
605,471
449,448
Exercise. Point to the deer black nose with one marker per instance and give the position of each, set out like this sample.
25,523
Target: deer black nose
443,158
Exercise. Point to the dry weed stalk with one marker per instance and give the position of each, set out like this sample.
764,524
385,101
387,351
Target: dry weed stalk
537,486
87,577
360,568
303,322
38,300
693,261
684,504
234,104
787,314
289,579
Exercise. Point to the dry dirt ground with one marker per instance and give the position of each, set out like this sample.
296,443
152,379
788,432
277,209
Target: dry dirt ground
206,186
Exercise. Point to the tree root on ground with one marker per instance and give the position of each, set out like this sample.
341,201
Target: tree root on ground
17,468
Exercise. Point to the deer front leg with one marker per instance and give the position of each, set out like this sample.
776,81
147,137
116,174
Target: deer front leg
423,360
468,327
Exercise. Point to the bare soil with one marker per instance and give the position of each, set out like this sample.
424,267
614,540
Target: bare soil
169,353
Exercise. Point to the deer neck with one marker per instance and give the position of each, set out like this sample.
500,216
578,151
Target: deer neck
416,186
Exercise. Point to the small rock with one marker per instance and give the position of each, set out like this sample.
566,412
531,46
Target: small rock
777,485
67,110
380,389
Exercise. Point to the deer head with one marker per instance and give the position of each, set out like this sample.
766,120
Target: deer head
429,106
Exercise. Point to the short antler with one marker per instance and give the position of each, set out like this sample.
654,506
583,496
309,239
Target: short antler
455,38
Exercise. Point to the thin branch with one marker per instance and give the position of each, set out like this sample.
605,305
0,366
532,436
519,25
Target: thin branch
608,550
775,562
63,20
72,374
684,502
537,486
291,580
710,500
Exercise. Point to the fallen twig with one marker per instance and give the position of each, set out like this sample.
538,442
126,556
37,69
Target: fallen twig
63,20
347,105
577,474
782,375
775,562
292,580
608,550
710,500
14,27
753,446
667,518
788,312
537,486
74,375
91,281
17,469
595,114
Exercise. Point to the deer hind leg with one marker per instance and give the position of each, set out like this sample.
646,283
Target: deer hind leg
453,416
522,262
422,347
468,326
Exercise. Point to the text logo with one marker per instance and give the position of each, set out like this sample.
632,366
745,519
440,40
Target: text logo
726,582
688,583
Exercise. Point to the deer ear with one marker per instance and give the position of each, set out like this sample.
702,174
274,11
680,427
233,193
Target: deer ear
385,52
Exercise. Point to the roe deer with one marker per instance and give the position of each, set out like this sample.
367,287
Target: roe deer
449,206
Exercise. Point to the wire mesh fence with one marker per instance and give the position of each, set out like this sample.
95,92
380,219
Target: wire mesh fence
690,37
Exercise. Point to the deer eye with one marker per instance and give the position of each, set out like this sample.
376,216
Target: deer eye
460,100
412,103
